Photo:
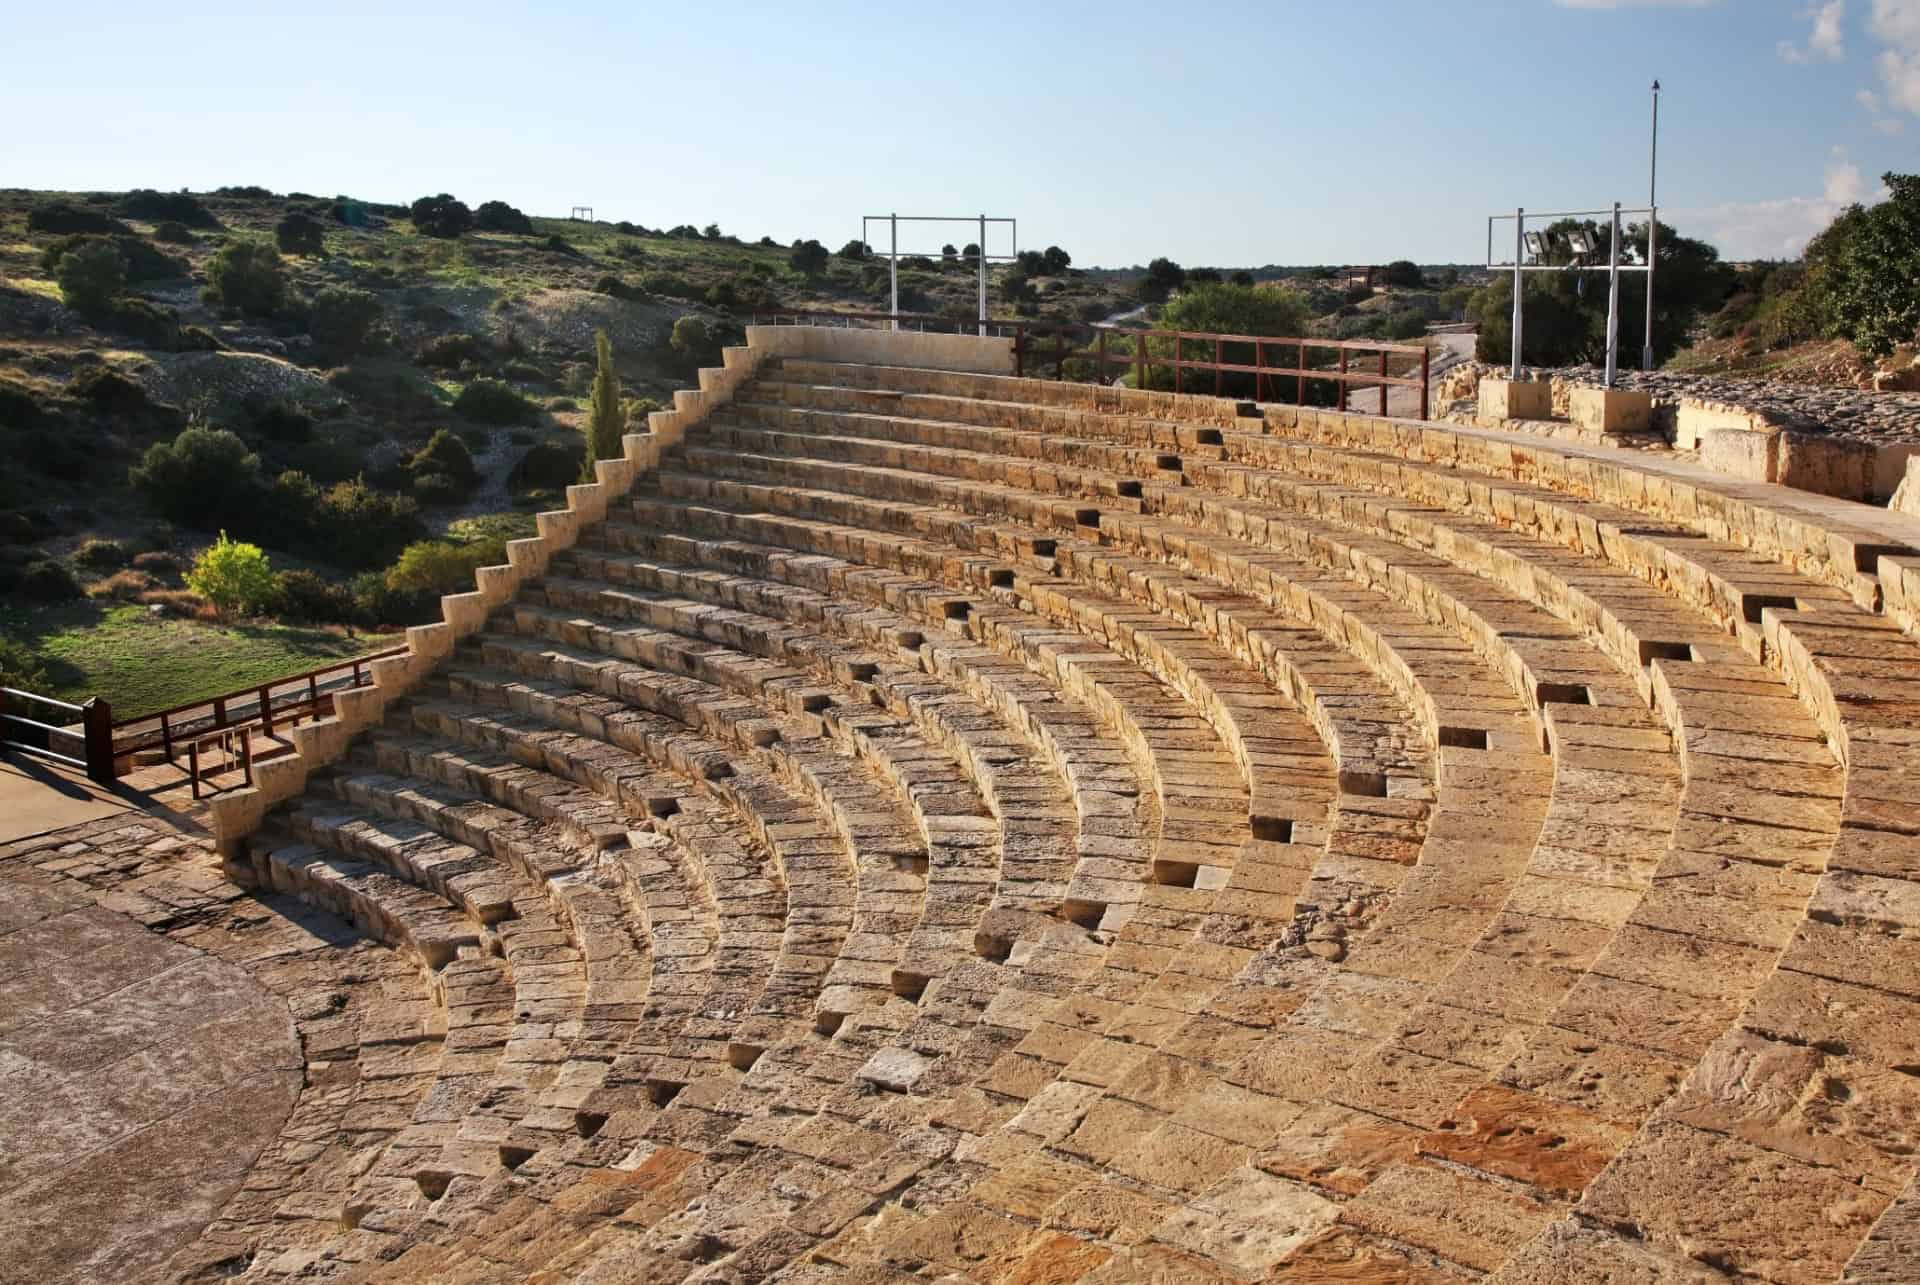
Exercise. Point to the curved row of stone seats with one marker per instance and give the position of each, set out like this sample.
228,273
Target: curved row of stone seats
1745,597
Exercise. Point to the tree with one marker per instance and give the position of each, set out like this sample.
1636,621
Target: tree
1031,262
949,255
204,477
606,420
711,232
91,277
1241,277
1164,276
249,276
343,321
808,257
498,216
1216,308
855,250
1055,260
692,342
440,216
1015,288
1404,273
299,234
233,577
970,256
1875,270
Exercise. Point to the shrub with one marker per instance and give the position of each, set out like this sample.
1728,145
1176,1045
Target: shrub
19,408
124,586
558,244
446,455
392,388
1054,261
437,488
172,233
669,284
375,604
450,352
205,476
326,462
693,343
154,326
440,216
20,668
442,567
612,285
307,598
855,250
498,216
247,275
357,526
489,401
545,467
141,261
101,555
280,420
110,391
637,411
343,322
526,372
45,580
244,192
809,257
62,217
234,577
300,234
91,277
156,563
176,207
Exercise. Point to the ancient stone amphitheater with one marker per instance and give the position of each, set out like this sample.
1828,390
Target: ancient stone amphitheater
910,822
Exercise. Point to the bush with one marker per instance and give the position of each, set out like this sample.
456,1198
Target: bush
442,567
91,277
693,343
176,207
171,233
19,408
343,321
306,598
809,257
110,391
124,586
155,326
101,555
45,580
326,462
62,217
498,216
234,577
450,352
440,216
279,420
247,275
560,245
489,401
300,234
20,668
141,261
669,284
855,250
545,467
612,285
637,411
375,604
357,526
203,478
392,388
156,563
446,455
244,192
526,372
437,488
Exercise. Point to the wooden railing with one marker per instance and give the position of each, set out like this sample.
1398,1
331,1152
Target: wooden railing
1085,352
289,699
91,747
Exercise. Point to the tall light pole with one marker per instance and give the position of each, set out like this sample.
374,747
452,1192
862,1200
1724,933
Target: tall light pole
1653,227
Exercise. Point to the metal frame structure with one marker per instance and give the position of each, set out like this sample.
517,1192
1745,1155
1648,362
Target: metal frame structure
581,214
893,222
1520,264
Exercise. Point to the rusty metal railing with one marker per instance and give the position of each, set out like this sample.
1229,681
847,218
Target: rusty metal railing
91,747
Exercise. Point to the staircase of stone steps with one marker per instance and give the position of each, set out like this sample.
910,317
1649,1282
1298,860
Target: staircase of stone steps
945,825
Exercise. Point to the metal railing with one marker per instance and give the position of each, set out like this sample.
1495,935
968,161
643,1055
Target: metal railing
90,748
199,771
1084,352
289,699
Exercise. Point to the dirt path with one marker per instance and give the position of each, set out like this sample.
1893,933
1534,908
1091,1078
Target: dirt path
1403,402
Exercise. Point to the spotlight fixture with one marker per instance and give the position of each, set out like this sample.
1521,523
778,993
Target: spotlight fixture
1580,240
1536,245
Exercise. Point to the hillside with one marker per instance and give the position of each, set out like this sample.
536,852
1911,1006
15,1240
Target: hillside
333,339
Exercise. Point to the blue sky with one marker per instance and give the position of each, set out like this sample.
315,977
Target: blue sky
1228,133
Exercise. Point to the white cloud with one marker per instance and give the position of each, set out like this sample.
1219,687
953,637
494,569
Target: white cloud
1826,40
1633,4
1896,24
1778,228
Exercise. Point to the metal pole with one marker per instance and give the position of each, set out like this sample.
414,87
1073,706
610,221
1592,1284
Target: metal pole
983,276
893,258
1613,299
1519,252
1653,227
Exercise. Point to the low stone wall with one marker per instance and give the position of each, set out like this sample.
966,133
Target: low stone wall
925,350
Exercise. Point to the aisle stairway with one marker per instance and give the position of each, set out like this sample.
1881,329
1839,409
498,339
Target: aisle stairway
941,824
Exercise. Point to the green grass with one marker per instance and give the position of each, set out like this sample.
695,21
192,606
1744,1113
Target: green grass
142,663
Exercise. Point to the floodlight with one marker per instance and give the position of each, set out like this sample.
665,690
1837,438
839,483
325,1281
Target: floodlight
1580,240
1536,245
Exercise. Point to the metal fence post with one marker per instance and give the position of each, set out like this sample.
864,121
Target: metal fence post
893,260
1383,381
1613,299
983,276
1426,378
96,721
1519,253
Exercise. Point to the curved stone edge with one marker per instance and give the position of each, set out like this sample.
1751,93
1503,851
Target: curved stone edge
323,741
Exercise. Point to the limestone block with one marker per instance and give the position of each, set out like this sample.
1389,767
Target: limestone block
1515,399
1695,419
1825,465
1595,411
1896,473
1748,456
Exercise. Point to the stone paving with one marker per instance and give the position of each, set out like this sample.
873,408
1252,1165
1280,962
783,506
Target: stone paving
946,826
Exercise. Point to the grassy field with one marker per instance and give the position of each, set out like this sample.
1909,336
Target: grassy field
143,663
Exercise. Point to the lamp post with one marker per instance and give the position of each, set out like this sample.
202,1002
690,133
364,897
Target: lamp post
1653,227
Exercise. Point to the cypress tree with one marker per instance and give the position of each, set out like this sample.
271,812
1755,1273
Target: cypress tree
605,422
